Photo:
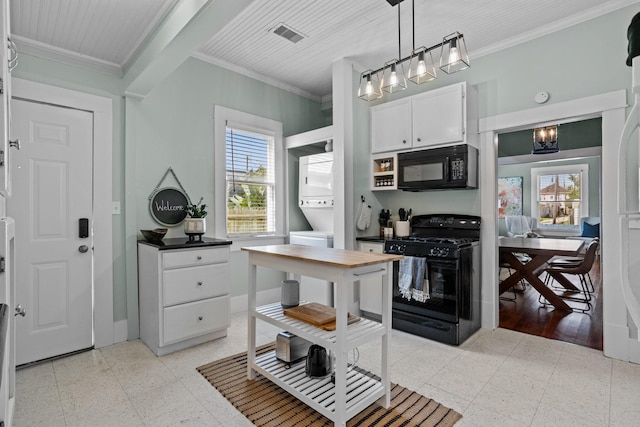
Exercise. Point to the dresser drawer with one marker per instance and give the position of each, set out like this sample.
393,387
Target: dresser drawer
188,258
190,320
194,283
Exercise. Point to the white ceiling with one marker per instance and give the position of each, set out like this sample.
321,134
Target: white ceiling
106,34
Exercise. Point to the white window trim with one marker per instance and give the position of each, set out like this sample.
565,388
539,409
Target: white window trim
221,117
584,202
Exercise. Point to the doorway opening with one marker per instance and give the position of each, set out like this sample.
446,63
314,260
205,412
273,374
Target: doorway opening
555,193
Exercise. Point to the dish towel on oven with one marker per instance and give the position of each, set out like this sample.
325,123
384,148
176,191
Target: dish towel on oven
411,276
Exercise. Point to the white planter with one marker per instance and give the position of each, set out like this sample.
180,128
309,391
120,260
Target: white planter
197,226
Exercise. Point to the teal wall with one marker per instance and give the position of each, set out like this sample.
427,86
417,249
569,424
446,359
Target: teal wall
571,136
507,81
173,127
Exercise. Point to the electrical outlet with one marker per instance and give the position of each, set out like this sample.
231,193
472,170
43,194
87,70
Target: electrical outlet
115,208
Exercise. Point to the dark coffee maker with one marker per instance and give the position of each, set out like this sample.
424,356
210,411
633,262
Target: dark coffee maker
318,362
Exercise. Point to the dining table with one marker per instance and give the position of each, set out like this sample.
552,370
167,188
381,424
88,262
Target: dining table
539,250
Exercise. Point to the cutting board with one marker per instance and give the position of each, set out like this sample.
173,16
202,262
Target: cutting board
331,326
318,315
313,313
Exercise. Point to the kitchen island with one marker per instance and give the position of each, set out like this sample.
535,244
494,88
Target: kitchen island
353,391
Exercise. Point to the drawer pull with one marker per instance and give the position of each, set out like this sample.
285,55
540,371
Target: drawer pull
198,257
199,283
200,317
369,272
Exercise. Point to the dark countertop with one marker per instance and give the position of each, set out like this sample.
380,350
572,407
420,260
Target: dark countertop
376,239
183,242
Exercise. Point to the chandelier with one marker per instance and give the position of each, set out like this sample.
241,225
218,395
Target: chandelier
453,57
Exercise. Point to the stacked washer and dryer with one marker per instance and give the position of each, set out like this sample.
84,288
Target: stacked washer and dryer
315,199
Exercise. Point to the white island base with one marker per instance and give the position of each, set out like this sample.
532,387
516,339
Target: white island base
353,390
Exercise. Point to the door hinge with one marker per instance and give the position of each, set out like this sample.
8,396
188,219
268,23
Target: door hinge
1,85
3,267
1,164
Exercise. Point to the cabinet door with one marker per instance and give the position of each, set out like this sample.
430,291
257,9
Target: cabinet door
438,116
391,126
316,175
371,289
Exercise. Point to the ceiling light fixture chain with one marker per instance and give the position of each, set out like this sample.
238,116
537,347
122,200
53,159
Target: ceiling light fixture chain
453,57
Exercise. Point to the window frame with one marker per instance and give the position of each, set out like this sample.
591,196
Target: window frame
225,117
582,168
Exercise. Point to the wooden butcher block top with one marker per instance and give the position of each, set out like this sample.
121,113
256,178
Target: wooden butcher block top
330,256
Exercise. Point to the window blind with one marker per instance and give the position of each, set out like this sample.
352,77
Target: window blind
250,175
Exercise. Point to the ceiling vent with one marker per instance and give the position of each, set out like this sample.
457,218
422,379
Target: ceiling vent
288,33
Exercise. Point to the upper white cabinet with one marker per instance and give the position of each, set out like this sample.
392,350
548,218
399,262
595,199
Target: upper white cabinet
441,116
8,59
391,126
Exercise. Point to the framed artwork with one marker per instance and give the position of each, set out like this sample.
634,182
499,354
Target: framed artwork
509,196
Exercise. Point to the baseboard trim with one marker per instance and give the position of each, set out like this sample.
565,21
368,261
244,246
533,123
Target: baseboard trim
241,302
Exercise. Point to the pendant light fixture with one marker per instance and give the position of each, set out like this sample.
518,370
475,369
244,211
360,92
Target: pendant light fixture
369,88
453,57
393,77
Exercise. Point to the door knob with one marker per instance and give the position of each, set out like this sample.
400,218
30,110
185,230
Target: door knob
20,310
15,144
83,248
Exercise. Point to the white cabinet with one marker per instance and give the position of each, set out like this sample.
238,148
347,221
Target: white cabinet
371,288
183,293
438,117
391,126
441,116
8,59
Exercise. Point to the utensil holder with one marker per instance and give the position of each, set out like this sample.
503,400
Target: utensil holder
402,229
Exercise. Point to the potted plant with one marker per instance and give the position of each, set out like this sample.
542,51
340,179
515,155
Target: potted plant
195,224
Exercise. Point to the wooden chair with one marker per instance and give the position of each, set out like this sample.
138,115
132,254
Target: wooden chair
582,271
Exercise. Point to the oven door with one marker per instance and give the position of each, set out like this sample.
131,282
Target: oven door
443,284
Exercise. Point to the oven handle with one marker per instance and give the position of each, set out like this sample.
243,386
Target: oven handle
366,273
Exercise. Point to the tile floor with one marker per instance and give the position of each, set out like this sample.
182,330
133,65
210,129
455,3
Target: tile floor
496,378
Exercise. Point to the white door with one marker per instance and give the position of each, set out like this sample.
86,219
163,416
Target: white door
52,183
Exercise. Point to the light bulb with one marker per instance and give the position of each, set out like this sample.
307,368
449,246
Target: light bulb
369,87
393,78
422,66
454,53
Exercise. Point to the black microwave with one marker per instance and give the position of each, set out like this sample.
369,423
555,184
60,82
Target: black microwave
452,167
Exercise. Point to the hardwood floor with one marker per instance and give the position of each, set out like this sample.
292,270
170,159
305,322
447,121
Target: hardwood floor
526,315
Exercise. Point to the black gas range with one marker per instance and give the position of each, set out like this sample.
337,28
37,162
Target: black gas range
436,287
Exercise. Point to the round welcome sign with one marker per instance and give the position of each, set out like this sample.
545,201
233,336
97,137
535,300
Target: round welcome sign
168,206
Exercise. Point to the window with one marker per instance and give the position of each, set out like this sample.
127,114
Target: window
250,183
559,196
249,175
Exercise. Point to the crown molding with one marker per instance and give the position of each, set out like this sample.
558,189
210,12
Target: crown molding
42,50
256,76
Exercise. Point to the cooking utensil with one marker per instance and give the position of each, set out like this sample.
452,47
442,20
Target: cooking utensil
403,214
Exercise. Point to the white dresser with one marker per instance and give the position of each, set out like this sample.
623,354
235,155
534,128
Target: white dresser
183,293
